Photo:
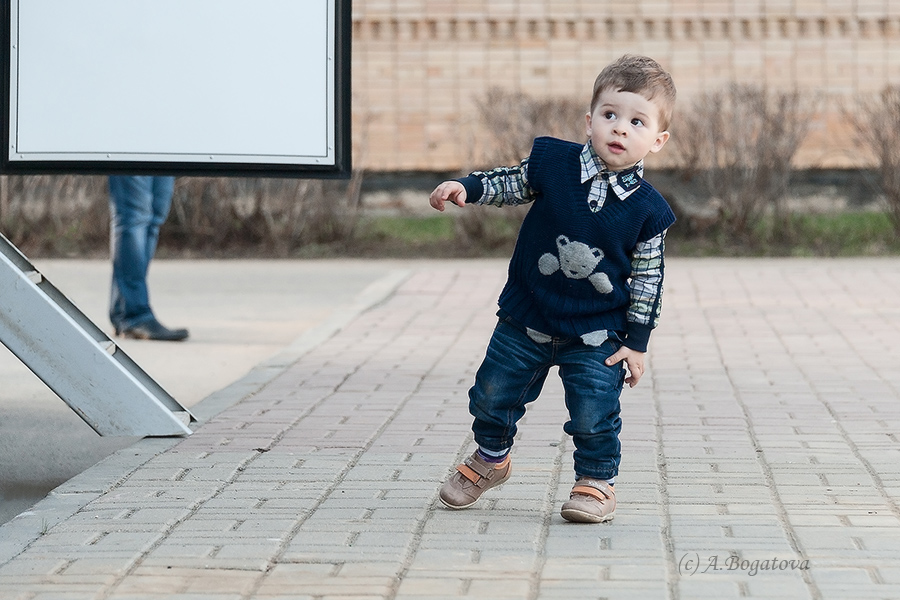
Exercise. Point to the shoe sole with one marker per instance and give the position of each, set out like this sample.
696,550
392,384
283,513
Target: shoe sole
133,335
463,506
580,516
460,507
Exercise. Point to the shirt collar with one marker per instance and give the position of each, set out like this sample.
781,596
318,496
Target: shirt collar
624,183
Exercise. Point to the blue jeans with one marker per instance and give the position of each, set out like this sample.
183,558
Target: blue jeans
138,207
512,375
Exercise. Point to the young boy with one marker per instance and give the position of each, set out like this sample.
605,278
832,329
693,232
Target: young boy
584,286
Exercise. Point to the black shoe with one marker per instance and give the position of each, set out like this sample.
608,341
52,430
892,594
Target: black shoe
153,330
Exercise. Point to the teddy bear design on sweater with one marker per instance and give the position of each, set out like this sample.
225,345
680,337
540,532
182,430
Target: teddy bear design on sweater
578,261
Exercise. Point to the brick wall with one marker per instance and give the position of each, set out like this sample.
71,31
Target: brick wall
419,65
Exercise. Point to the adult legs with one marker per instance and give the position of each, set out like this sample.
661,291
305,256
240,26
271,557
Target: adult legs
162,190
138,207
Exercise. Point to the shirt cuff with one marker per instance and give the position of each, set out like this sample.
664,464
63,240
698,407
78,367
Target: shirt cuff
637,336
474,188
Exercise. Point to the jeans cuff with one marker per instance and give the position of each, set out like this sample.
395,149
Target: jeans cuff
493,444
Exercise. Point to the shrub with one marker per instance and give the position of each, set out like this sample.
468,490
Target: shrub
737,143
69,214
877,123
511,120
273,215
55,214
508,124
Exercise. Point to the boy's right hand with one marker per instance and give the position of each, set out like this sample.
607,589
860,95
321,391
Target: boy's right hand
449,191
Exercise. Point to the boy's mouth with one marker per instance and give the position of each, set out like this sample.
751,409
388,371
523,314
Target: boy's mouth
616,148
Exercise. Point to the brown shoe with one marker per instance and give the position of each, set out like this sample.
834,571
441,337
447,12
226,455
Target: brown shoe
591,501
471,479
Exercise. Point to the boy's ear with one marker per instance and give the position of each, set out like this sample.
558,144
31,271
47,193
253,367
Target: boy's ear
661,140
587,124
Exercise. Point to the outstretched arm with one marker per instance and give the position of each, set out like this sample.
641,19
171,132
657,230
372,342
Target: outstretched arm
506,186
503,186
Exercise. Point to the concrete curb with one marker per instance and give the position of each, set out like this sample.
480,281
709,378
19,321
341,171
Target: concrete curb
78,492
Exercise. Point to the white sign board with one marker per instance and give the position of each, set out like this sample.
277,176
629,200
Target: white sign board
177,86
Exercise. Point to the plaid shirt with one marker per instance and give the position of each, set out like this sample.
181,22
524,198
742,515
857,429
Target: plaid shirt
623,183
508,186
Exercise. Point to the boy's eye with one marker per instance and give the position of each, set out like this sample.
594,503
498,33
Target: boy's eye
637,122
609,115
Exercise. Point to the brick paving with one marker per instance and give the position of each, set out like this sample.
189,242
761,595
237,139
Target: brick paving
764,432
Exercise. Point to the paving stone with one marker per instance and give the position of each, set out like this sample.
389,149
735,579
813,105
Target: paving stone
763,429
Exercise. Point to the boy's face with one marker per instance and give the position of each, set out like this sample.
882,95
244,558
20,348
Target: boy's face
624,127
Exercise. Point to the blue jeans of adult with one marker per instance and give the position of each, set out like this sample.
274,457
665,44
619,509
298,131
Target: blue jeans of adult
512,375
138,207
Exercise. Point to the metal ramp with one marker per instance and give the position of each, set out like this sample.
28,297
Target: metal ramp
77,360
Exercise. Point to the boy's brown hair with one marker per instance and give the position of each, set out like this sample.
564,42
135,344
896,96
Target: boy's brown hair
639,75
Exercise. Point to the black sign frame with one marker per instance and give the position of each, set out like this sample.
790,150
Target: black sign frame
338,165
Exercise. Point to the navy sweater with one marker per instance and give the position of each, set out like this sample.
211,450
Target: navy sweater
569,273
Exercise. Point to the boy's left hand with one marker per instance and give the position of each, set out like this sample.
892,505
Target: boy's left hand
634,360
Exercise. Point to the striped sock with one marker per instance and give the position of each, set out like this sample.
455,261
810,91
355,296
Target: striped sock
492,456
